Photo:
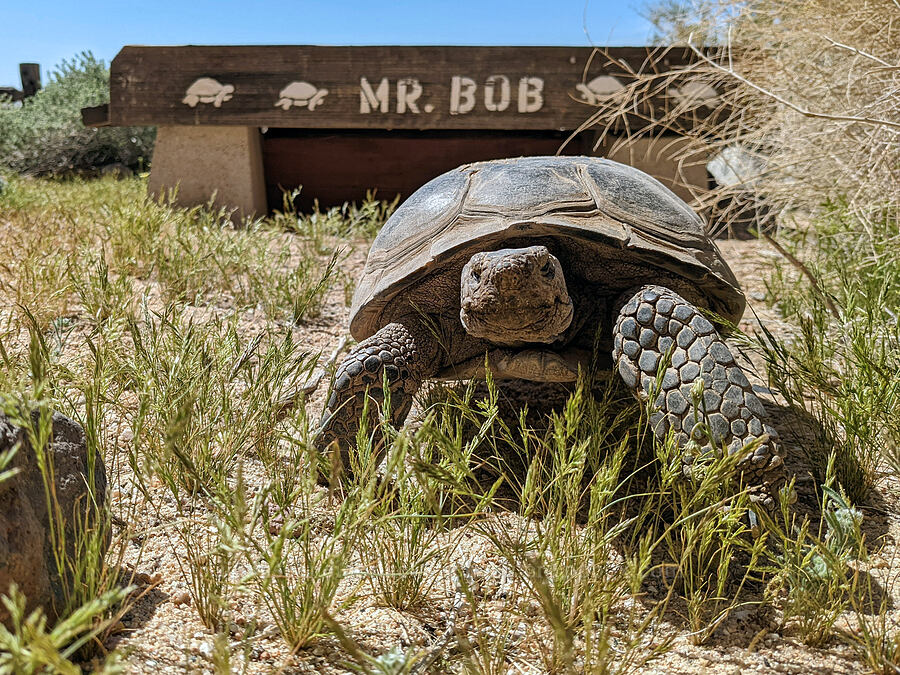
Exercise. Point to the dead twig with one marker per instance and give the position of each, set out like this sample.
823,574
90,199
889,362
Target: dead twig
858,52
804,270
444,640
788,104
290,400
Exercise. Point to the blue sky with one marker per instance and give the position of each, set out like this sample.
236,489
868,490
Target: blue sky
47,31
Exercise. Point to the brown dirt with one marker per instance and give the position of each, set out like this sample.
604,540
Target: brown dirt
162,632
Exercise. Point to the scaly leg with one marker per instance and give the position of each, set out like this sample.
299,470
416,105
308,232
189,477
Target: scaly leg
656,320
405,358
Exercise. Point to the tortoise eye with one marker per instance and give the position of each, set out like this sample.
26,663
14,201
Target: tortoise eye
476,274
547,270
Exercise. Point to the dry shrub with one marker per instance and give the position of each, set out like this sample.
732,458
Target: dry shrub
807,90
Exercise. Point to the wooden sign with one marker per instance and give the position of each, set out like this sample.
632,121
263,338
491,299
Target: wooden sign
514,88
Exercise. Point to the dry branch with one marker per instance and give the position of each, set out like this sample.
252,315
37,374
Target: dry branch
820,114
300,392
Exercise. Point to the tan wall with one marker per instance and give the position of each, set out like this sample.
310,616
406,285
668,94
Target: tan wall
202,161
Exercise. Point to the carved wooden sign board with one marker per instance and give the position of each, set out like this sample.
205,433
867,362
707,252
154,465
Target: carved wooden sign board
513,88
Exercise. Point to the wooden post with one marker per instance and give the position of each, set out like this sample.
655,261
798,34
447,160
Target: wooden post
30,73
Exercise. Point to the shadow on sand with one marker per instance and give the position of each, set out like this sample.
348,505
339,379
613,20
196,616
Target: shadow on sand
795,429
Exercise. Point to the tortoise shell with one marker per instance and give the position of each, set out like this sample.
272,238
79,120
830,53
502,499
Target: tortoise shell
478,206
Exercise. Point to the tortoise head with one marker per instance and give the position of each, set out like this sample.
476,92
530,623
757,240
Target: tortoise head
515,296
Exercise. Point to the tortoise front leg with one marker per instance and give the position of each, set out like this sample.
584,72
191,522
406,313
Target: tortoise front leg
653,322
405,358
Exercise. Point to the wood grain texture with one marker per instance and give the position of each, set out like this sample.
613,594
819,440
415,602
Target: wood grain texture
336,167
95,116
30,75
243,85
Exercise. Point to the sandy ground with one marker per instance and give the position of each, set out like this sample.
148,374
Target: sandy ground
162,632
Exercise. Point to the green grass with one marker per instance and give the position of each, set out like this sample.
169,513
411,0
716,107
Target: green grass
189,334
840,365
838,288
346,221
127,239
402,537
99,291
31,646
84,558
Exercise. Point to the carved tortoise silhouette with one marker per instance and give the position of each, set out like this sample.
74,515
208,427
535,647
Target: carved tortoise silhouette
208,90
300,94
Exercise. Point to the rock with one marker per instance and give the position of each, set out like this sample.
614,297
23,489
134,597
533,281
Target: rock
26,553
735,166
742,207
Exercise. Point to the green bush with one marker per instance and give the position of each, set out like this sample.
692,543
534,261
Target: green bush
45,134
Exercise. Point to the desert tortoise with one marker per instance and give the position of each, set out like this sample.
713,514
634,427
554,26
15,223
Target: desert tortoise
527,261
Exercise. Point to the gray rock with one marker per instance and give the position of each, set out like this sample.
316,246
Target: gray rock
734,166
26,554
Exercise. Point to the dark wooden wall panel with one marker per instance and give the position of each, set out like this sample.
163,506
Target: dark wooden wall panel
339,167
311,87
